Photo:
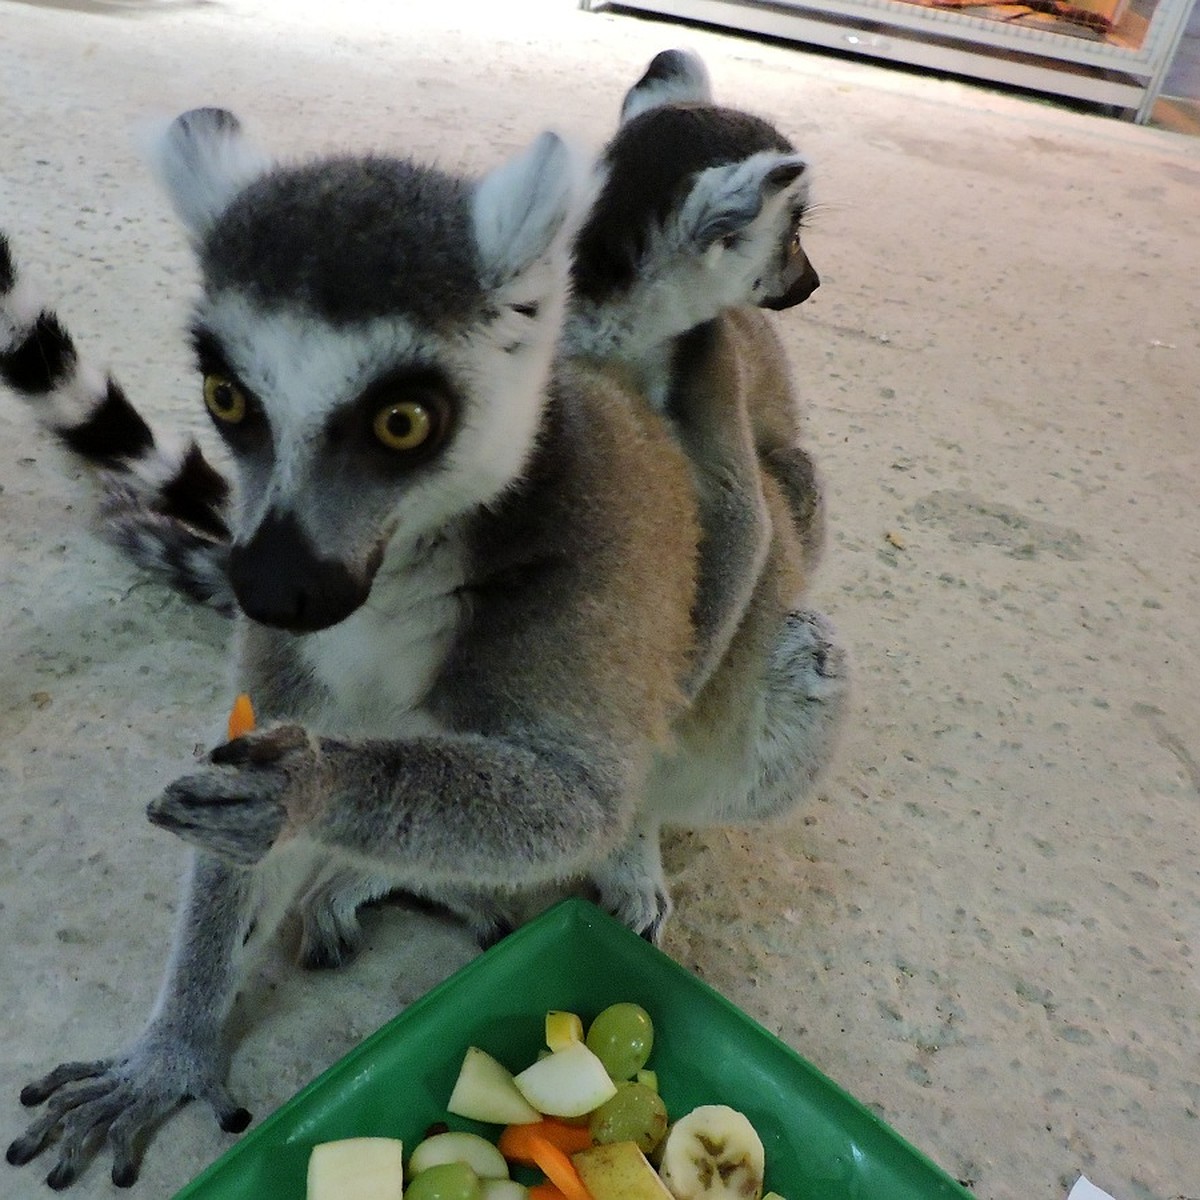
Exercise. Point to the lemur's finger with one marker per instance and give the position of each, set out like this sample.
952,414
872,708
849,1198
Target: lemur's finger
233,814
40,1089
125,1139
261,748
231,1116
203,795
34,1140
81,1131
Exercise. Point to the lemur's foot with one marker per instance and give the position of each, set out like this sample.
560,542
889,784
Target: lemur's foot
645,912
810,659
632,887
487,915
117,1101
330,934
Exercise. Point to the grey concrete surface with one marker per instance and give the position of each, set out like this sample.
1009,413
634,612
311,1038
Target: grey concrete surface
987,927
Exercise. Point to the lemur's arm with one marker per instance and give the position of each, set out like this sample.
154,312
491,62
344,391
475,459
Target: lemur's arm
179,1055
489,811
708,409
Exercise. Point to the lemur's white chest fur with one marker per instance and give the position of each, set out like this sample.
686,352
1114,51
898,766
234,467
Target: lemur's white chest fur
379,663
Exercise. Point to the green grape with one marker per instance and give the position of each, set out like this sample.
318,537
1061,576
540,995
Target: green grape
446,1181
621,1038
635,1114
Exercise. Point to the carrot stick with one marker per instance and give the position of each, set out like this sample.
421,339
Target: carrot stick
515,1145
558,1168
545,1191
241,717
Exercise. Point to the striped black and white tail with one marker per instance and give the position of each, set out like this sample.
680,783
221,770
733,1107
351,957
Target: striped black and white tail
165,510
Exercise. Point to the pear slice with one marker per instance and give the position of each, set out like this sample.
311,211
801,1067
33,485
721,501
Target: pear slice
364,1168
485,1091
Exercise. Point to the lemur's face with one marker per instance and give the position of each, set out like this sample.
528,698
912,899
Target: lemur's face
373,340
698,200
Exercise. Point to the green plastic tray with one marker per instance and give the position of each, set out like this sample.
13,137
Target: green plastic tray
821,1143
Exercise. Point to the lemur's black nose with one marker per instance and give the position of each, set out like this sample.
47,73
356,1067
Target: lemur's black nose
799,287
280,580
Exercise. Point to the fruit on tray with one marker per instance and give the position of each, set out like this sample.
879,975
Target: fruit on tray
446,1181
635,1114
459,1147
622,1036
485,1091
510,1189
713,1153
363,1168
566,1083
563,1028
585,1115
619,1171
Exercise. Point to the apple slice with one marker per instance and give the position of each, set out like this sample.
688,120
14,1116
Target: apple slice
478,1153
619,1171
485,1091
567,1083
508,1189
364,1168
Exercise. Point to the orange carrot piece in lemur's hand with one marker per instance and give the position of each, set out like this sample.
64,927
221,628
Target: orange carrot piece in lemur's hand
241,717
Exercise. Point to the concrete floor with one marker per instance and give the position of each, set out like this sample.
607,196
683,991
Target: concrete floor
988,926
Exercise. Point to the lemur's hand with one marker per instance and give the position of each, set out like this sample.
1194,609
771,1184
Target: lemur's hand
260,789
118,1101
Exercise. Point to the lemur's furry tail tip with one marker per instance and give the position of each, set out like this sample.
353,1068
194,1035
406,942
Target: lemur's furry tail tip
8,272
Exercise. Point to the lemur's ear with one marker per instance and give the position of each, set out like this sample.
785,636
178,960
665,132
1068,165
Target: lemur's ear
725,199
673,77
529,207
203,160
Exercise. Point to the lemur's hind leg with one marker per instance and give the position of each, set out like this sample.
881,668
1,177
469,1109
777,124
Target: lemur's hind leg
330,934
771,765
805,703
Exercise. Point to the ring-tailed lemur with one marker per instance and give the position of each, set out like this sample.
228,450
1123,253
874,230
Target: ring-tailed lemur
471,627
698,218
670,258
695,230
542,610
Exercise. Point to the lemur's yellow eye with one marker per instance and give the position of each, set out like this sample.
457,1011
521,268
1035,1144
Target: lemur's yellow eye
404,425
226,401
794,242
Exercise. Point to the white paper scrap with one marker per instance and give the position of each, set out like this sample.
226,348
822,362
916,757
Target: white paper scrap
1084,1189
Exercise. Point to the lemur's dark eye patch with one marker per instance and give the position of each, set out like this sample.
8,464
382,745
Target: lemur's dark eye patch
407,415
232,406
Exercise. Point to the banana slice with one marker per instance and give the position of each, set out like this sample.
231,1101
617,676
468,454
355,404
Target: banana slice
713,1154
